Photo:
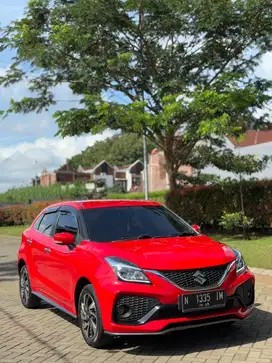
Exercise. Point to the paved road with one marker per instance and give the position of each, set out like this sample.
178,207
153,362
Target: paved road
46,335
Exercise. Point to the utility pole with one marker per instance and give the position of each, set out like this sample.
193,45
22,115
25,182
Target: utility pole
145,169
143,98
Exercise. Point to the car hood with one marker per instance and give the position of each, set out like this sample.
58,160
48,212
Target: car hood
169,253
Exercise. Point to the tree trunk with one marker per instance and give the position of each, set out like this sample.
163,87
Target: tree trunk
171,171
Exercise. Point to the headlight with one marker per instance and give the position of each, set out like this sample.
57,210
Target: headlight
127,271
240,262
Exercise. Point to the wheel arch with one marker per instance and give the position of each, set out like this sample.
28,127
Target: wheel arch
83,281
21,263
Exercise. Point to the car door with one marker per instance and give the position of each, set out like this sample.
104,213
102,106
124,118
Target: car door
61,262
42,239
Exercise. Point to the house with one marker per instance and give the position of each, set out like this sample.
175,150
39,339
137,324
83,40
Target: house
64,175
257,143
130,175
103,171
157,175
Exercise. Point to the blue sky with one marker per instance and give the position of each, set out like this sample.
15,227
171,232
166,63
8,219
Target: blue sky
27,142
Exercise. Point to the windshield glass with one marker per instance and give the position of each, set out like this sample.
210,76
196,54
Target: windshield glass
134,222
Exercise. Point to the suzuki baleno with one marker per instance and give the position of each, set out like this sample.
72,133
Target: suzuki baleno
130,268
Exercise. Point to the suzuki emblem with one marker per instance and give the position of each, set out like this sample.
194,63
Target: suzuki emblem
199,277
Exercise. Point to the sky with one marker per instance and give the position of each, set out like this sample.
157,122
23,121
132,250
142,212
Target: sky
27,142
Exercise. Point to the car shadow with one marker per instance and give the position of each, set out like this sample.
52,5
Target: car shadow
220,336
8,271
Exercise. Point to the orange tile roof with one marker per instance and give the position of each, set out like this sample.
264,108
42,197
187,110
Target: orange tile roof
253,137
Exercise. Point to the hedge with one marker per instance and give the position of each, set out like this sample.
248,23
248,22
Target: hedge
205,205
21,214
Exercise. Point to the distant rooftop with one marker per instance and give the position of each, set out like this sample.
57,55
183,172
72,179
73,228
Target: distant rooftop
252,138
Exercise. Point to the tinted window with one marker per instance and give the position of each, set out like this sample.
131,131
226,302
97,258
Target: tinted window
124,223
37,223
67,223
47,223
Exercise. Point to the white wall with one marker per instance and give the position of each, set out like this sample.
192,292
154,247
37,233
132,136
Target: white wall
129,180
258,150
107,178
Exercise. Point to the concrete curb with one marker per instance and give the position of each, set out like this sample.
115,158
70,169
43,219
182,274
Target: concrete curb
261,271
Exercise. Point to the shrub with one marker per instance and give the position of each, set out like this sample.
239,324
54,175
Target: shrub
207,204
117,188
21,214
233,221
12,216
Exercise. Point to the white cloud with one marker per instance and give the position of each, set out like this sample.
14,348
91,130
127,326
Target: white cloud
20,163
265,67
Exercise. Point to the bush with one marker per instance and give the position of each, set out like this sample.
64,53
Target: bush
117,188
21,214
12,216
207,204
231,222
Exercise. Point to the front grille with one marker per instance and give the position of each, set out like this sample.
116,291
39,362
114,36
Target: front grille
189,279
130,309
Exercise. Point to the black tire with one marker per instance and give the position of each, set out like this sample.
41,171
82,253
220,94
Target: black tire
29,300
90,321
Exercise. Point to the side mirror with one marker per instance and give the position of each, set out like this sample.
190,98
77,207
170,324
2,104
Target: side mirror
64,238
196,228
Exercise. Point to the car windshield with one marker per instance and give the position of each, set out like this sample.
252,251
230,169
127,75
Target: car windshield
109,224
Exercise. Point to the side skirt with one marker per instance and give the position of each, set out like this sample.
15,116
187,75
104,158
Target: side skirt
50,302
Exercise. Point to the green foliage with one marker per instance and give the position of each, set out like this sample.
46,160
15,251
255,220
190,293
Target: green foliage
205,205
240,164
24,194
146,67
118,150
117,188
156,196
232,221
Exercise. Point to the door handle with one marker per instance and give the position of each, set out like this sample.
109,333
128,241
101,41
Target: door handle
29,241
47,250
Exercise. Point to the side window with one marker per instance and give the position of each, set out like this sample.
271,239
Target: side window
47,223
67,223
37,223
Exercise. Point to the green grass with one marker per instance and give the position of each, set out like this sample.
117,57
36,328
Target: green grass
15,231
257,252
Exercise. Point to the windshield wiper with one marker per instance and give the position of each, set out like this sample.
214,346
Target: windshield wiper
182,234
141,236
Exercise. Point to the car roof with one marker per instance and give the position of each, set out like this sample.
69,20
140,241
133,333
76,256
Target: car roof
104,203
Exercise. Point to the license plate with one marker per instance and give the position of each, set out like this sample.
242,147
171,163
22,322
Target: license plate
202,301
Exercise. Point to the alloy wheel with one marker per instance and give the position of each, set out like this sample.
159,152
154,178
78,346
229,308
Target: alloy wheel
88,313
24,284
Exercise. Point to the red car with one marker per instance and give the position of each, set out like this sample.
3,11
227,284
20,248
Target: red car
130,268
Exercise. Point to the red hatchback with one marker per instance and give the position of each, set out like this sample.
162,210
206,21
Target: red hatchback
130,268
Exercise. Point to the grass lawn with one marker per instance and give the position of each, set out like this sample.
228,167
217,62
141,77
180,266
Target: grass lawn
12,231
257,252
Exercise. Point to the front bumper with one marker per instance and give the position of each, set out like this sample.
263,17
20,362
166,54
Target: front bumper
159,305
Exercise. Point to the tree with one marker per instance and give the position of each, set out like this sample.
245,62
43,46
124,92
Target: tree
118,150
180,72
241,165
